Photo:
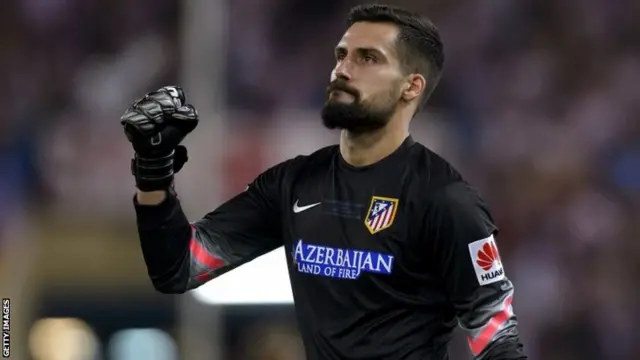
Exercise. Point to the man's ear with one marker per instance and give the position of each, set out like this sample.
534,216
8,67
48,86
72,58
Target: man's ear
414,87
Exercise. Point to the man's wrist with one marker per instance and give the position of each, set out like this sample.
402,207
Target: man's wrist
150,198
153,173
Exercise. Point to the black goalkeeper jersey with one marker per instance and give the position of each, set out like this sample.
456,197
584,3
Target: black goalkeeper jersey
384,260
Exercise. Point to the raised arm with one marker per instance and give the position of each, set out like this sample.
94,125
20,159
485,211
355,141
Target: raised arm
181,255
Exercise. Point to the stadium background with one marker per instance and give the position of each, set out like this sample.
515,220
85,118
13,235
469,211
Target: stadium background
538,106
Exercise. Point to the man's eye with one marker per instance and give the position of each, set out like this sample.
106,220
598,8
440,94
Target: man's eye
369,59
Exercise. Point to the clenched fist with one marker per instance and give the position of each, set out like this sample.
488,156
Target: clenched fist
156,125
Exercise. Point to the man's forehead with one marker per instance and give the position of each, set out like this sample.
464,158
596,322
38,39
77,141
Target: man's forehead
380,36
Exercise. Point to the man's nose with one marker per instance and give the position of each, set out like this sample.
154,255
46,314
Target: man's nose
343,70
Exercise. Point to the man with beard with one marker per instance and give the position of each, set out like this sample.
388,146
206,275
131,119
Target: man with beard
389,247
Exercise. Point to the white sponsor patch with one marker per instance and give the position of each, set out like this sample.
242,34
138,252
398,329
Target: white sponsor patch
486,261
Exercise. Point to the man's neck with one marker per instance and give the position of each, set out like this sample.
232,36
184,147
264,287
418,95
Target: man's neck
368,148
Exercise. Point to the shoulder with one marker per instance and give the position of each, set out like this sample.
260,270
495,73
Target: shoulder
289,170
321,156
459,198
431,172
307,163
440,186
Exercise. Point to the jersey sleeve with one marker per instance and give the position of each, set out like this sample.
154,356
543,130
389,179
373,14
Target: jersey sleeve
468,261
182,255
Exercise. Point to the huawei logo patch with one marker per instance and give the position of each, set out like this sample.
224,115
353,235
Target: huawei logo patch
486,261
487,256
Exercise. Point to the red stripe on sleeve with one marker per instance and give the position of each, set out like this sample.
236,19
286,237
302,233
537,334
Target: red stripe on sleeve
201,254
205,276
480,343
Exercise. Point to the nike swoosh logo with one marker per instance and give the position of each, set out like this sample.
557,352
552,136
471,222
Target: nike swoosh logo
299,209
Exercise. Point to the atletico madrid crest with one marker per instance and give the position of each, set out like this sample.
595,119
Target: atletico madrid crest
381,214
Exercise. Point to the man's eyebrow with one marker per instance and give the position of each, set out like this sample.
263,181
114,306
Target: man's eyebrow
340,49
370,50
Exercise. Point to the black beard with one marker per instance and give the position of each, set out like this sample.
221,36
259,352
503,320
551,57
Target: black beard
355,117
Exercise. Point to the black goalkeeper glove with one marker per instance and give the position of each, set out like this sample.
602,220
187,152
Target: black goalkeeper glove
155,125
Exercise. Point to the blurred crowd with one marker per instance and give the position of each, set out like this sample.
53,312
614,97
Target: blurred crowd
538,107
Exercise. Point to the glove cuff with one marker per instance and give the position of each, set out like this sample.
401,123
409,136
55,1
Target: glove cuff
153,173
